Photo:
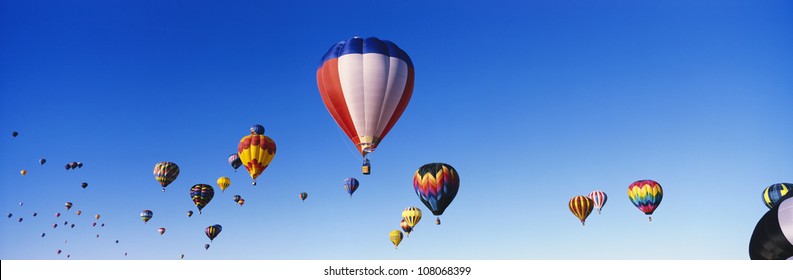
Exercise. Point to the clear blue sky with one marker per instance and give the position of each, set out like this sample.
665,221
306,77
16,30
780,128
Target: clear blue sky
533,102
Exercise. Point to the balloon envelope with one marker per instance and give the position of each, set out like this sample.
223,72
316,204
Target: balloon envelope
366,85
436,185
213,231
351,185
256,151
201,194
396,237
146,215
646,195
772,238
581,206
773,193
412,216
598,199
165,172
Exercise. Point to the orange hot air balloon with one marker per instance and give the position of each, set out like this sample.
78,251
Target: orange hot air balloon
256,151
581,206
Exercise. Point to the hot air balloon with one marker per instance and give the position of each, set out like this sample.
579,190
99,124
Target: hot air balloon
21,203
125,254
241,201
43,234
256,151
94,224
102,225
20,219
35,214
257,129
436,185
146,215
9,215
206,246
774,192
14,134
772,238
23,172
351,185
303,196
405,227
581,206
54,225
79,164
97,236
65,223
116,241
396,237
84,185
79,212
223,183
412,216
57,214
161,230
42,161
97,216
72,225
234,160
181,257
236,198
599,199
68,166
201,194
189,213
365,84
646,195
73,164
213,231
59,252
68,205
165,172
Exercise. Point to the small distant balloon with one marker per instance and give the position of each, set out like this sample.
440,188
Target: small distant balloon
73,165
21,203
84,185
224,183
412,216
59,252
201,194
241,201
236,198
79,212
20,219
43,234
54,225
72,226
351,185
14,134
57,214
405,227
189,213
182,256
94,224
773,193
213,231
257,129
599,198
68,166
165,172
9,215
234,160
35,214
206,246
65,223
303,196
97,216
117,243
103,224
42,161
79,164
68,205
396,237
161,230
146,215
23,172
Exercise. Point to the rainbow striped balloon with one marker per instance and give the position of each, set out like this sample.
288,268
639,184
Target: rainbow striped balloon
165,172
201,194
646,195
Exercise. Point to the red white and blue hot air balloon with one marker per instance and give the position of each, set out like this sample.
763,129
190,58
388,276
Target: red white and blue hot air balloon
366,84
599,199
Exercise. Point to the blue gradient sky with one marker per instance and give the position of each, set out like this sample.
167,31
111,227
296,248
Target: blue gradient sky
533,102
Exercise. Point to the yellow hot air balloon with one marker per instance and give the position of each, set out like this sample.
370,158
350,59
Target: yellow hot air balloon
256,152
396,237
412,216
23,172
223,183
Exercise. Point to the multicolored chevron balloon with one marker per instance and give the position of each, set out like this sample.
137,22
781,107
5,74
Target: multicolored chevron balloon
646,195
436,184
